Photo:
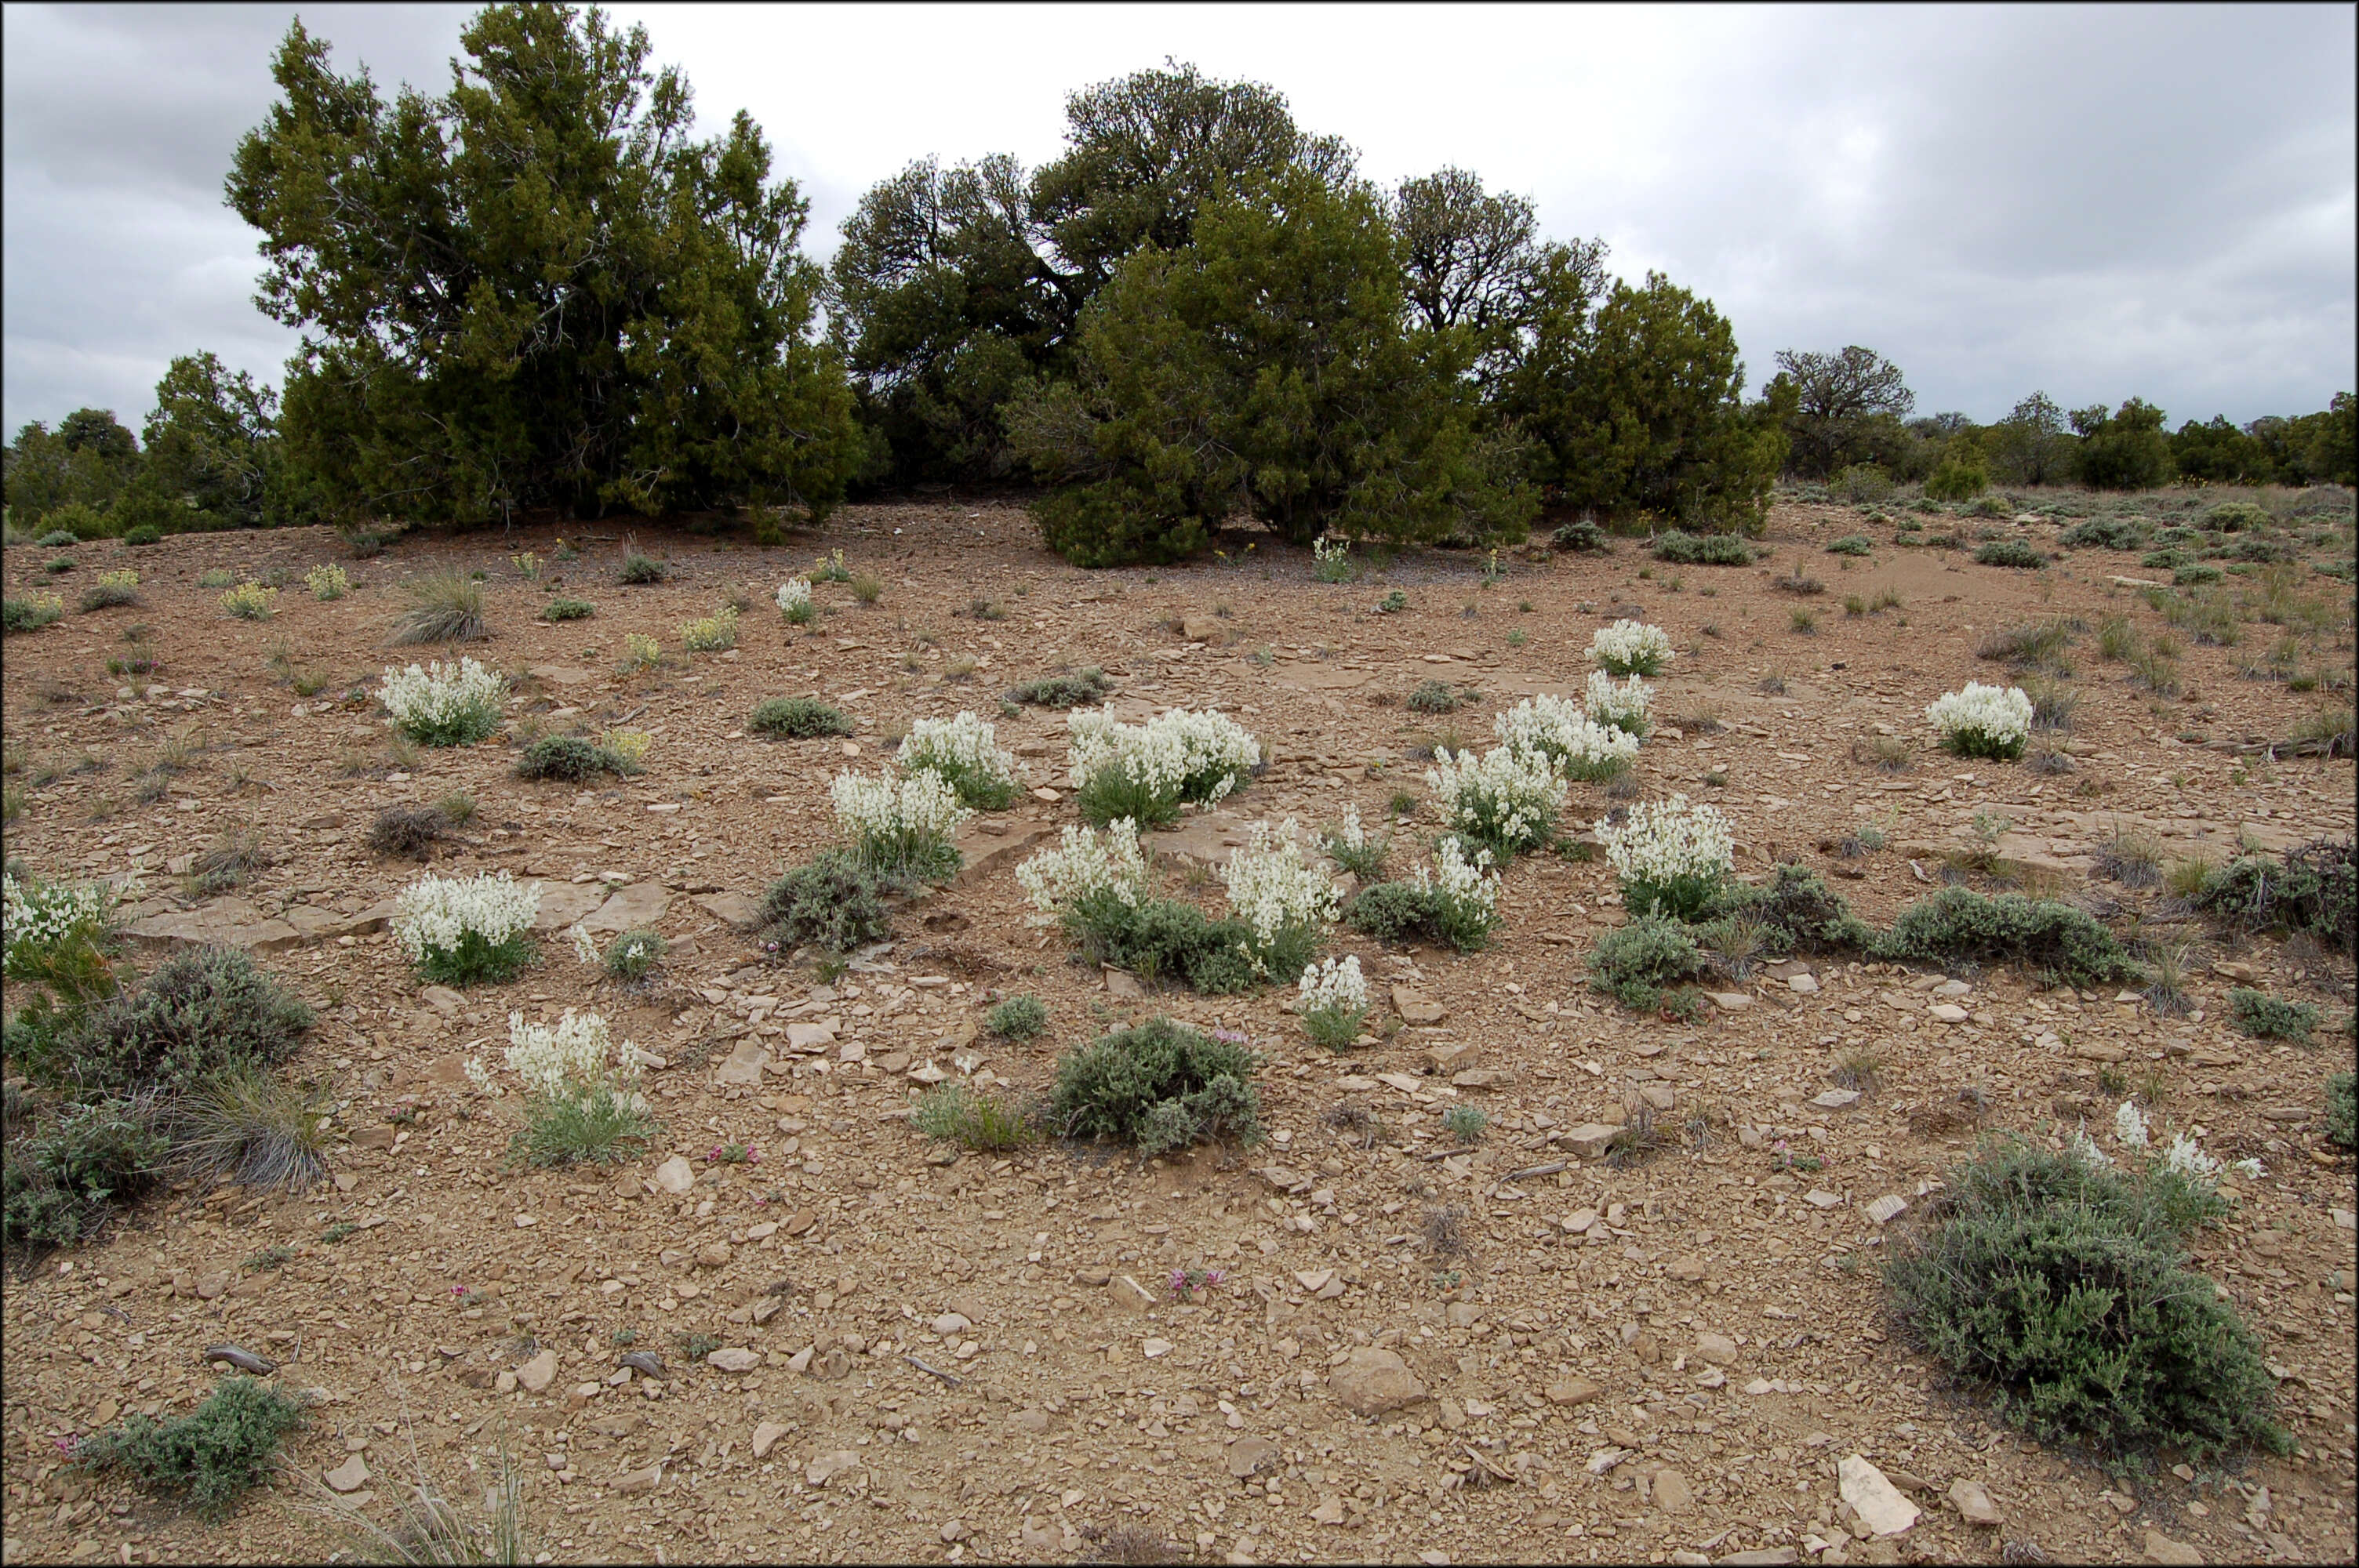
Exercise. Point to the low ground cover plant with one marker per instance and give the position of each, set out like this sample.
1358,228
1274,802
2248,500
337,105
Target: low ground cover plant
2015,553
1018,1018
1282,898
327,581
444,705
797,719
444,607
1673,858
1158,1086
1624,705
1078,689
1685,549
112,591
250,601
2063,1284
2342,1108
583,1101
1635,963
31,611
1349,846
1457,903
210,1458
711,634
461,930
1959,926
203,1012
2265,1017
2314,889
795,605
834,903
572,759
954,1113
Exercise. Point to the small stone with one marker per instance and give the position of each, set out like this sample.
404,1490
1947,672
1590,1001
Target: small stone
1329,1511
955,1531
1728,1001
1716,1348
1313,1280
1588,1141
349,1477
635,1482
1129,1295
1874,1499
734,1358
827,1466
1371,1383
1247,1454
1416,1007
1974,1503
1155,1348
1760,1557
744,1068
675,1175
2160,1548
1819,1197
1672,1493
536,1375
1033,1421
1805,984
1123,986
1573,1391
951,1323
1687,1267
712,1255
1947,1012
1887,1208
1484,1078
1837,1099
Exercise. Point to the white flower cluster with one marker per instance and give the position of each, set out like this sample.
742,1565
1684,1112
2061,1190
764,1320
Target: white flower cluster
1335,985
570,1059
1201,756
1273,885
433,914
1622,707
442,696
1082,863
1984,719
1352,836
964,749
1326,551
586,947
794,595
1631,647
2129,1126
1469,890
2084,1148
889,810
39,914
1506,796
1664,843
1556,728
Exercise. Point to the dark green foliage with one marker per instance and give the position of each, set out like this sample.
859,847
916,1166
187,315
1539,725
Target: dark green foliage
1794,912
1841,408
1159,1086
2123,450
1018,1018
1958,479
641,571
571,759
64,1177
797,719
478,960
1959,926
210,1456
604,1127
203,1012
2068,1290
1579,536
2194,575
2219,453
1400,911
1633,963
1076,690
2265,1017
568,610
1852,545
634,955
2014,553
1266,368
2342,1108
2235,516
1682,548
835,903
1164,939
214,459
1434,696
557,176
2314,889
2104,533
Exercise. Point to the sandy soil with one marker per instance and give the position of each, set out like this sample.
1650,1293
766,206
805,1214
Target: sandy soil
1726,1312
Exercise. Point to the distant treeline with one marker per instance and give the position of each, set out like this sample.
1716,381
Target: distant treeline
537,292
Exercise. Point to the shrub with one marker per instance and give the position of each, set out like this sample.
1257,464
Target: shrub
2065,1285
60,1183
1957,924
1457,903
795,602
711,634
250,601
210,1458
2043,644
867,588
1349,847
1681,548
146,534
1334,998
1280,898
444,607
2342,1108
461,930
1861,484
58,935
1330,561
2234,517
408,830
1147,771
2265,1017
1982,721
2010,553
1630,648
229,862
571,759
2195,575
634,955
1556,729
444,705
247,1127
1795,912
1018,1018
1581,535
1673,858
2314,889
641,571
835,903
1465,1123
1633,963
1957,478
903,828
1434,696
112,591
32,612
797,719
568,610
1852,545
203,1012
1506,800
1159,1086
1075,690
955,1114
1623,707
327,582
2104,533
965,752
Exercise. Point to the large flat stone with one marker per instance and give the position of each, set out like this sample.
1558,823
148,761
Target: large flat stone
983,853
641,904
1371,1383
1322,677
738,909
230,922
562,903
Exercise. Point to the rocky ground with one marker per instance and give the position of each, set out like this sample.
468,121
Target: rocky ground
976,1358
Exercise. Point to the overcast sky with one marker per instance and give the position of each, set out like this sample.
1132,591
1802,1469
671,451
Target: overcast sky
2097,202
